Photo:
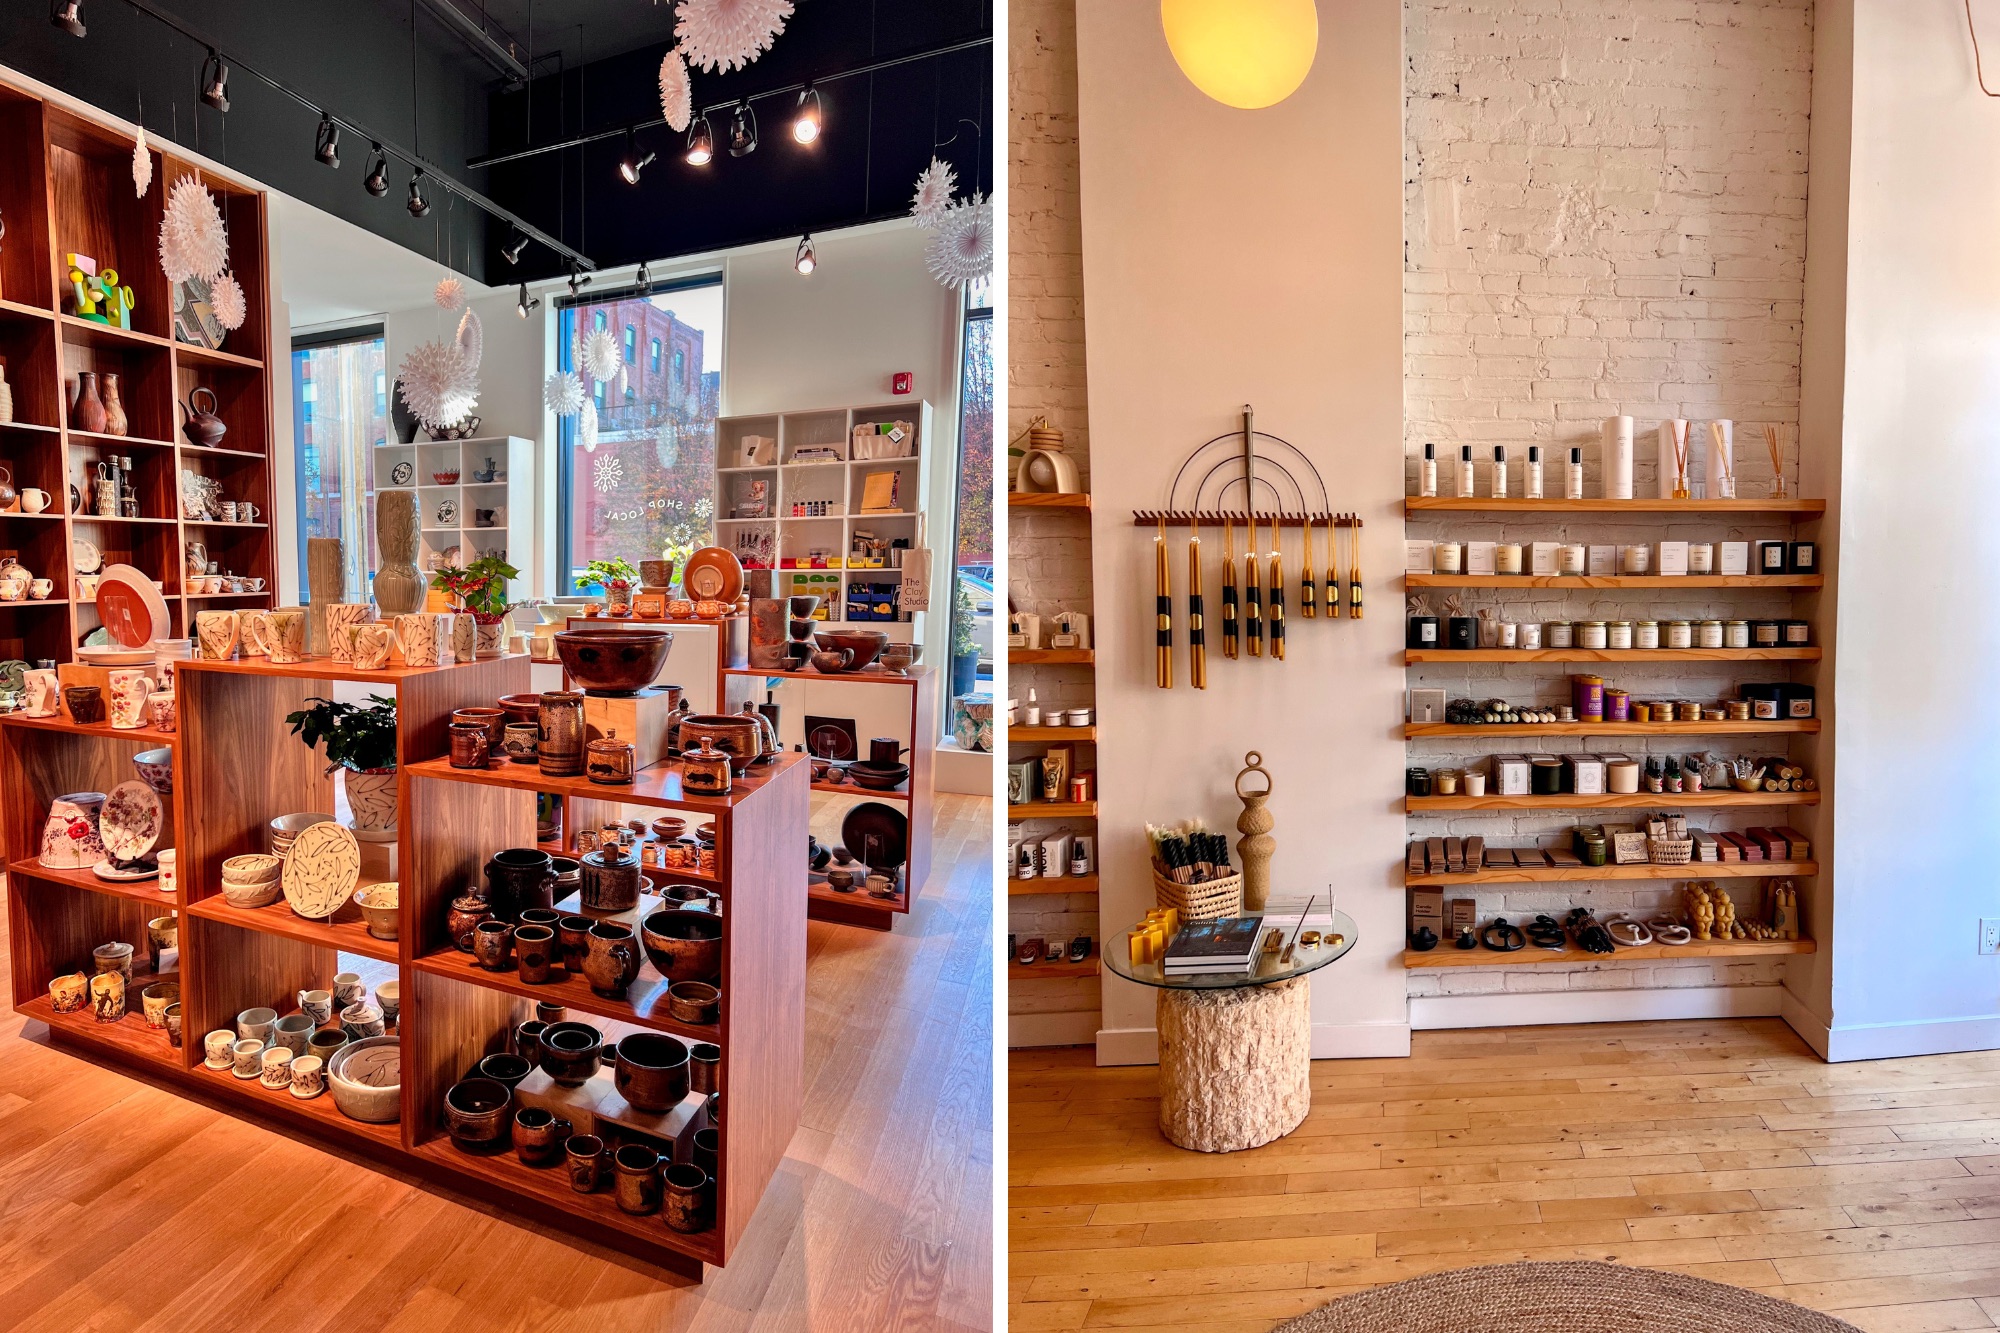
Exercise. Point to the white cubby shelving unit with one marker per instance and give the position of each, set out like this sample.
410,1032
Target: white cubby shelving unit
840,482
511,460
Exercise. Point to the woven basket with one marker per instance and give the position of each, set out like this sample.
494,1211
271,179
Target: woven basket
1670,852
1200,902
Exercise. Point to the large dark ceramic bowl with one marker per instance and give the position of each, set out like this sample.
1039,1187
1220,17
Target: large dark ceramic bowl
476,1113
651,1071
507,1070
732,733
613,661
865,644
683,946
570,1052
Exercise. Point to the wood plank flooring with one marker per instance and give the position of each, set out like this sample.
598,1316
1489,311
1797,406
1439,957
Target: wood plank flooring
1724,1149
128,1209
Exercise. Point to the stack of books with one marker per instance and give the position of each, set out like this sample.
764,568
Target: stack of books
1226,944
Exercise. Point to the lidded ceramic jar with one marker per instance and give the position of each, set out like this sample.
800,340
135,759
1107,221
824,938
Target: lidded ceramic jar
610,880
705,771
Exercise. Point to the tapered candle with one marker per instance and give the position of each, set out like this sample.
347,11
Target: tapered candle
1307,597
1277,590
1354,567
1197,637
1253,594
1163,602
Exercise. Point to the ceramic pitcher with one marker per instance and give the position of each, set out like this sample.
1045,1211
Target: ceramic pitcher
70,839
130,689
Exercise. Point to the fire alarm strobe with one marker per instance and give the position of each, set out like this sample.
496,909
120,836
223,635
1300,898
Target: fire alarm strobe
902,382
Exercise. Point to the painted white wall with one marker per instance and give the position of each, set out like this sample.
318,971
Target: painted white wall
1234,257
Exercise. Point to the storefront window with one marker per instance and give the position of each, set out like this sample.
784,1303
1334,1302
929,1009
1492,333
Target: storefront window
340,413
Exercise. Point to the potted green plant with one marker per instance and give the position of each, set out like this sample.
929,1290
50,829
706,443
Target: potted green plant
481,589
616,577
964,642
360,741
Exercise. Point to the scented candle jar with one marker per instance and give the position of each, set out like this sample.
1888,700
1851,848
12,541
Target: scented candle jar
1735,634
1646,634
1531,636
1795,633
1587,696
1507,558
1765,633
1635,559
1510,634
1617,704
1559,634
1618,634
1571,559
1701,558
1446,557
1708,634
1679,634
1591,634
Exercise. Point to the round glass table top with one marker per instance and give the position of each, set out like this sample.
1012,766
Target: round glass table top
1270,966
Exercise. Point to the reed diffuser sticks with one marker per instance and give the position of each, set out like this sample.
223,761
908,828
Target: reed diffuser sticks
1774,442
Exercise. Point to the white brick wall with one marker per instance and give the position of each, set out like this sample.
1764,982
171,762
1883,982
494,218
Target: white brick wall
1604,213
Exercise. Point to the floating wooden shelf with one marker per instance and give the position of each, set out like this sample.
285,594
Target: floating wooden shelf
1447,956
1052,810
345,932
1650,582
1060,971
1046,500
1041,888
1026,735
644,1005
138,890
129,1036
901,793
1449,730
1051,656
1417,656
1415,505
1705,800
1572,874
116,443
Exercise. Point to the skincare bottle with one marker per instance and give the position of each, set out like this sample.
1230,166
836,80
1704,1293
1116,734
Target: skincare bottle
1533,485
1499,471
1034,709
1465,471
1574,489
1427,476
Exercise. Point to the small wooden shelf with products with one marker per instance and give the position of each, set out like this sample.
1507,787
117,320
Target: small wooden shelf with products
1052,810
1496,731
1420,656
1051,657
1415,505
1584,874
1048,500
1598,582
1444,955
1705,800
1042,887
1060,970
1055,735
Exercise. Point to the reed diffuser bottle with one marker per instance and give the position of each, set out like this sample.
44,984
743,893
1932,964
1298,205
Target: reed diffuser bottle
1531,485
1427,474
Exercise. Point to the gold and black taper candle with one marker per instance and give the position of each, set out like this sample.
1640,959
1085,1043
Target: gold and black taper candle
1333,607
1307,598
1197,637
1163,602
1354,567
1253,594
1231,641
1278,591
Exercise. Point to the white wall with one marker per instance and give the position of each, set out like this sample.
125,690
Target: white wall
1234,257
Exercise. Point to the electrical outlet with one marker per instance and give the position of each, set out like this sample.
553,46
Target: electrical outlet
1989,934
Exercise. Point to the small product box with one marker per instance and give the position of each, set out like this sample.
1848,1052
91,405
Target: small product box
1542,557
1586,774
1673,558
1734,557
1427,909
1416,557
1510,774
1602,561
1426,705
1479,557
1461,915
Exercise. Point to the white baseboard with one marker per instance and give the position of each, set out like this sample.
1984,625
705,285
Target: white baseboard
1885,1041
1812,1027
1542,1008
1078,1029
1330,1041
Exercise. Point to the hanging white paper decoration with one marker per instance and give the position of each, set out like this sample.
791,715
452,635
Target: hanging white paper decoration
472,337
193,241
225,298
676,94
449,293
601,356
607,472
586,427
439,382
563,393
962,249
728,34
142,166
934,189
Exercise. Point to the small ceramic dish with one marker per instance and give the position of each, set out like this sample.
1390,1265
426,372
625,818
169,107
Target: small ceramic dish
378,904
252,895
694,1001
252,869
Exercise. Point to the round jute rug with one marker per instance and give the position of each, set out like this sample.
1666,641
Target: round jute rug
1561,1298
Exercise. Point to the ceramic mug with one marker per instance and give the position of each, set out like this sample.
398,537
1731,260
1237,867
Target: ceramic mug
252,641
282,632
464,637
348,988
294,1031
219,1048
308,1076
586,1156
316,1005
216,634
389,999
68,994
168,859
339,617
164,719
153,1001
44,694
174,1025
276,1070
369,646
107,997
130,688
39,589
226,511
246,512
253,585
421,637
256,1024
247,1055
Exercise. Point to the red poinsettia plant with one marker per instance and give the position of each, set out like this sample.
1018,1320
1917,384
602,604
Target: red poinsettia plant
481,587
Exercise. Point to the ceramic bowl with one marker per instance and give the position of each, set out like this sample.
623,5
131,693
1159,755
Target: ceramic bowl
732,733
683,946
367,1080
613,662
694,1001
505,1069
280,832
378,908
476,1113
521,707
650,1071
570,1052
878,777
899,656
865,644
252,895
156,769
252,869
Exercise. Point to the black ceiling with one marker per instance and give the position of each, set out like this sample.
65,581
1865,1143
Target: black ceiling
439,96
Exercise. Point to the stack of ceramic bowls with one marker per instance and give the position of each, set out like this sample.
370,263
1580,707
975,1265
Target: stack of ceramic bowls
280,832
252,881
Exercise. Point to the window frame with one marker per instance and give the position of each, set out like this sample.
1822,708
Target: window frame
375,331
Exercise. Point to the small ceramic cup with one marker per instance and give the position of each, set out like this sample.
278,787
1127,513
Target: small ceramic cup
219,1049
248,1055
165,717
636,1179
154,1001
69,994
534,953
325,1042
362,1020
276,1071
389,999
539,1135
308,1076
548,1011
493,945
170,868
586,1157
520,742
174,1025
256,1024
293,1031
704,1066
528,1040
162,934
348,988
316,1005
107,997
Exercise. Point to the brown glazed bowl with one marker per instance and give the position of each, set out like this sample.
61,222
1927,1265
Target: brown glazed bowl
521,707
476,1113
616,661
570,1052
651,1071
683,946
732,733
694,1002
865,644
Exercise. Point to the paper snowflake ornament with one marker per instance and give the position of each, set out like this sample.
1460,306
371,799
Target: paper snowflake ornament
562,392
225,298
449,293
962,249
472,337
607,473
728,34
193,241
586,427
676,93
439,383
934,190
601,356
142,166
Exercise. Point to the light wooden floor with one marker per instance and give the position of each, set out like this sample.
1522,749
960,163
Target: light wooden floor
130,1210
1723,1149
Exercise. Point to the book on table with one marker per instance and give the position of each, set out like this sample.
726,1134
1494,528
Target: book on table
1226,944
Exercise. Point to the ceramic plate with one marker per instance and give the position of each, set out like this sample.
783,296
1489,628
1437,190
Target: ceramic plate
84,556
125,874
885,824
132,821
400,474
830,742
14,676
132,608
713,575
321,870
447,514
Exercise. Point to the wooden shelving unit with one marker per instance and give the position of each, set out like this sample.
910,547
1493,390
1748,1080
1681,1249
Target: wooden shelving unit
508,495
1415,505
68,189
1052,810
1047,500
1060,971
1419,656
1808,726
1051,657
1577,874
1645,582
1032,888
1705,800
451,822
1447,956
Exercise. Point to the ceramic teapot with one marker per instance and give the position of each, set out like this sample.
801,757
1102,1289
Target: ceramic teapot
8,495
202,426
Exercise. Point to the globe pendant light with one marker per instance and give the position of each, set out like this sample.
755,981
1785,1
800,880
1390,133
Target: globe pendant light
1243,53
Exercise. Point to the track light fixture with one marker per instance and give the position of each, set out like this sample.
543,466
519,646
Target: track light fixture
805,261
511,252
701,143
645,278
630,165
326,143
577,279
67,15
524,304
418,205
215,82
809,119
743,131
377,183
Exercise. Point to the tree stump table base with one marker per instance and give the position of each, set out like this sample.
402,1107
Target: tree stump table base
1235,1065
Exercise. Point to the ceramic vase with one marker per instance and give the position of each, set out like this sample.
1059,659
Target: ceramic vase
70,839
464,637
371,795
86,411
326,581
6,398
115,420
399,584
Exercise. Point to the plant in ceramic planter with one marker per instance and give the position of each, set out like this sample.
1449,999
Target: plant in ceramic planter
481,589
360,741
964,642
616,577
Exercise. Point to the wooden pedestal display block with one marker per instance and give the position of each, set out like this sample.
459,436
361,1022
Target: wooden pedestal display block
82,673
596,1108
1235,1065
639,718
